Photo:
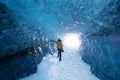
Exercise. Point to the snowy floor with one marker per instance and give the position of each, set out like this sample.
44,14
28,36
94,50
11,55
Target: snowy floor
70,68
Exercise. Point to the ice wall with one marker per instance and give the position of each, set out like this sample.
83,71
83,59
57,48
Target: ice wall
103,51
22,45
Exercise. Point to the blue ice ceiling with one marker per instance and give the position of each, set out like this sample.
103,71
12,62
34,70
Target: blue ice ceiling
36,13
52,15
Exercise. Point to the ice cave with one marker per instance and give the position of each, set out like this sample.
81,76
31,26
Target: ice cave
89,31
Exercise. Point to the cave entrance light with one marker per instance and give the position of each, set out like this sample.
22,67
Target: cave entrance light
72,41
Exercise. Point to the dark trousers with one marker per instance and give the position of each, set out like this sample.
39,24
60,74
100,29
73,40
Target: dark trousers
59,54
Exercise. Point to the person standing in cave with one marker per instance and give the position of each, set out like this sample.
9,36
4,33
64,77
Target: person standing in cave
59,48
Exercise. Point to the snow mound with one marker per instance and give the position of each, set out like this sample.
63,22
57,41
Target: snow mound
71,67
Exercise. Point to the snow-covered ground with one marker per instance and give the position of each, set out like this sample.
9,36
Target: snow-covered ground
70,68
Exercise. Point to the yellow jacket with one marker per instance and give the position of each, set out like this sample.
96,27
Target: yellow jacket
59,44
